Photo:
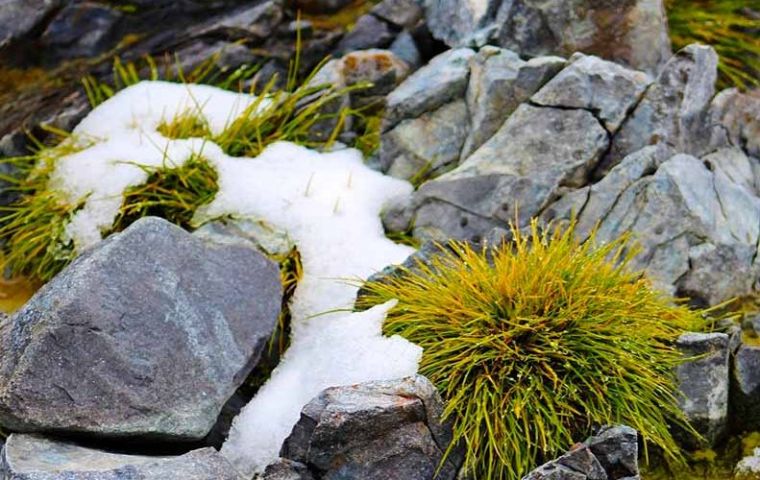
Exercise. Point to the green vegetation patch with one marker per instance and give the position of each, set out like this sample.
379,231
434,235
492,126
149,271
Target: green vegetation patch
537,341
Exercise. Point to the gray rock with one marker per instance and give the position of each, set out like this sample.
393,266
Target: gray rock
402,13
321,6
81,29
617,449
703,383
284,469
147,334
737,116
439,82
745,393
405,48
376,430
605,88
19,17
424,147
380,68
33,457
577,464
631,32
369,32
675,109
518,171
499,82
255,22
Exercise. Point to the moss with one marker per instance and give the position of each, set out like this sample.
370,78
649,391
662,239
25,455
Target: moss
344,19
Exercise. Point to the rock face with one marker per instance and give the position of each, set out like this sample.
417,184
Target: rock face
147,334
33,457
373,431
631,32
704,383
590,138
611,454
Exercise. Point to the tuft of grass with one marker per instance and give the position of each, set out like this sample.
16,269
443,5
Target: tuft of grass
173,193
535,341
728,26
187,124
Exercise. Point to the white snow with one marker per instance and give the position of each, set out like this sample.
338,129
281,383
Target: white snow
329,204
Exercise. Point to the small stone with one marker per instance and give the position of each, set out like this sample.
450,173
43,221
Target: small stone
745,396
369,32
737,116
402,13
703,382
405,48
617,449
33,457
285,469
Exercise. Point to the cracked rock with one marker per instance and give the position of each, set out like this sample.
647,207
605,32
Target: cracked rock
518,171
599,86
145,335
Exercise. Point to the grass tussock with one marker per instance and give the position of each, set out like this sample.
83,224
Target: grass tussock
727,25
173,193
537,341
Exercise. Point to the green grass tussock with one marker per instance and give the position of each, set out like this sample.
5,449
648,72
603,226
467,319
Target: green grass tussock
727,25
534,343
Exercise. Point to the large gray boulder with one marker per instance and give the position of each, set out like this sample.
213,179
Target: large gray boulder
631,32
147,334
516,172
373,431
33,457
703,383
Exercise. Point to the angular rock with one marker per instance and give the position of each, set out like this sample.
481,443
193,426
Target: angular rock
426,146
81,29
745,395
402,13
147,334
33,457
597,85
373,431
631,32
617,449
748,467
405,48
256,21
675,108
499,82
380,68
703,383
518,171
577,464
737,116
439,82
369,32
19,17
285,469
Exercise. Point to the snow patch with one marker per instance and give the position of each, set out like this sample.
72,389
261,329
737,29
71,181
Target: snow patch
329,203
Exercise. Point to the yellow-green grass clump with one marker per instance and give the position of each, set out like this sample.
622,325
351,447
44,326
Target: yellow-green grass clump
537,341
727,25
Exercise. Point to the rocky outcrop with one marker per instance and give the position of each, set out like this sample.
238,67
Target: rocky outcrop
590,138
631,32
145,335
376,430
33,457
611,454
703,383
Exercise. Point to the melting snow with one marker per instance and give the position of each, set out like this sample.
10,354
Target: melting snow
329,204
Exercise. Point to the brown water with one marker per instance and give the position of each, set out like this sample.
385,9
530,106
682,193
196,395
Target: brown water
14,293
